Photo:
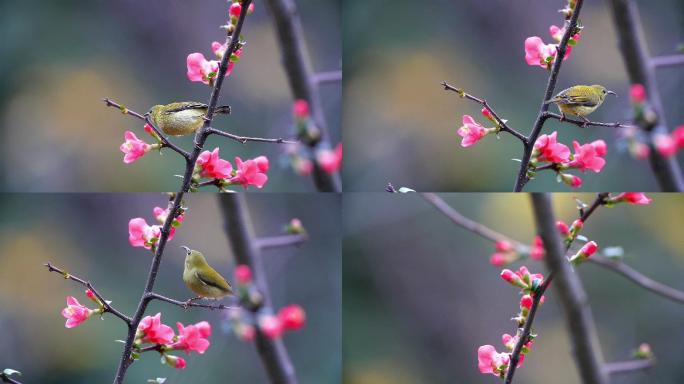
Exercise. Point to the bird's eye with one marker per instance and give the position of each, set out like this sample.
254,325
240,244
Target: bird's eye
604,91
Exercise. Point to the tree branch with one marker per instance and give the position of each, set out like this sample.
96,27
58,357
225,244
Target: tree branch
667,61
328,77
273,242
578,317
584,124
273,354
302,79
187,304
88,285
482,102
7,379
245,139
635,56
522,178
630,366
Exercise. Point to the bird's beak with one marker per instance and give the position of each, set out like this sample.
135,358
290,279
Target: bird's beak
186,248
612,93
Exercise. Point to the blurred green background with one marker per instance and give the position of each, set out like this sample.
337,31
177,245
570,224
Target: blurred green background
60,58
420,295
400,125
88,236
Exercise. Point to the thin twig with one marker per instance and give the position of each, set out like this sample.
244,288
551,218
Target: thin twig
523,178
273,354
302,81
482,102
7,379
200,138
245,139
274,242
620,367
328,77
105,304
187,304
584,124
667,61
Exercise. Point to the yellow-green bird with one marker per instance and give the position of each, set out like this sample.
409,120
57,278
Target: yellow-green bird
580,100
181,118
202,279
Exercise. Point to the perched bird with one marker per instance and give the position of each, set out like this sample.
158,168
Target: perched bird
202,279
580,100
182,118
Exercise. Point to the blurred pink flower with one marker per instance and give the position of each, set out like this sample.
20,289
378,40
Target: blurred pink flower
490,361
75,312
270,326
665,144
526,302
637,93
537,53
243,274
537,250
300,109
637,198
330,160
251,172
292,317
678,136
235,9
201,69
140,234
133,148
471,131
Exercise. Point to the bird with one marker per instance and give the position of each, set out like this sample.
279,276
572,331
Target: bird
181,118
202,279
580,100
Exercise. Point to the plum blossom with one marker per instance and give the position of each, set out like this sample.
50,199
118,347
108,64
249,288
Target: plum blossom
200,69
665,145
251,172
75,312
330,160
271,326
550,150
471,131
538,53
300,109
491,361
212,166
588,156
151,330
133,148
292,317
243,274
193,337
637,92
140,234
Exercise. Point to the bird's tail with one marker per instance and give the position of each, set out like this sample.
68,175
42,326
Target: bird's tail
225,109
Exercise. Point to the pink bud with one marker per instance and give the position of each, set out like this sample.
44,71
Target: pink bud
503,246
487,113
526,302
577,225
678,136
235,9
562,228
243,274
270,326
250,9
301,109
292,317
498,259
512,278
537,251
90,294
174,361
571,180
638,93
589,248
665,145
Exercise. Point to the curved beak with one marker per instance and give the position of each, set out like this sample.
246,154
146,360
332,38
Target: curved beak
611,93
186,248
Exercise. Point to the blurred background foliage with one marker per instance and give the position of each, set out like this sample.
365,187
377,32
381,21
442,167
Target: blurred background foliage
400,125
88,236
59,59
420,295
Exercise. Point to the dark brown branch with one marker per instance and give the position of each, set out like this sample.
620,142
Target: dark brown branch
635,56
584,124
328,77
302,80
273,354
523,178
245,139
272,242
482,102
165,141
88,285
187,304
667,61
200,138
630,366
578,317
6,379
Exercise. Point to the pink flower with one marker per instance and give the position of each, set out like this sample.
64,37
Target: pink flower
214,167
151,330
537,250
526,302
142,235
577,225
174,361
251,172
201,69
301,109
665,145
75,312
271,326
678,136
562,228
161,214
571,180
292,317
490,361
193,337
589,248
600,147
550,150
246,332
557,34
633,198
219,49
537,53
133,148
487,113
513,278
330,160
499,259
587,156
235,10
637,93
243,274
503,246
471,131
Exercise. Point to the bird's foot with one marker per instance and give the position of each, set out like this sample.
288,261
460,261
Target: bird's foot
187,303
562,118
586,121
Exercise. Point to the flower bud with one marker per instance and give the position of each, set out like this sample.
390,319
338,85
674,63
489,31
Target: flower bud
174,361
562,228
292,317
243,274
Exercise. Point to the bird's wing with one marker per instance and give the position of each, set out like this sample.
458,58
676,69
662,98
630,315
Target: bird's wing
214,280
576,100
186,106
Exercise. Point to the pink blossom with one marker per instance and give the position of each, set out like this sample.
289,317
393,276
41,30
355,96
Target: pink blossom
665,145
201,69
634,198
271,326
243,274
301,109
537,250
678,136
557,34
193,337
487,113
562,228
571,180
637,93
330,160
219,49
151,330
503,246
142,235
589,248
251,172
550,150
499,259
174,361
600,147
513,278
537,53
587,156
490,361
235,10
214,167
577,225
161,214
133,148
526,302
471,131
75,312
292,317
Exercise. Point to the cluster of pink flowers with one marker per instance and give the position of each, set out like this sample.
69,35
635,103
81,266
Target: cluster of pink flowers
245,324
247,173
506,253
586,157
190,338
134,148
76,313
537,53
141,234
490,361
330,160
